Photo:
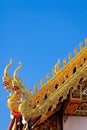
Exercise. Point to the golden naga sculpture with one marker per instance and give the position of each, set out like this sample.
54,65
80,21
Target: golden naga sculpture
25,105
7,79
16,82
13,103
14,99
20,99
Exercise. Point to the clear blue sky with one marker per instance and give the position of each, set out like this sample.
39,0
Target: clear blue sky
37,32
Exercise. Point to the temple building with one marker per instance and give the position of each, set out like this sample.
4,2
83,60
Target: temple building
60,104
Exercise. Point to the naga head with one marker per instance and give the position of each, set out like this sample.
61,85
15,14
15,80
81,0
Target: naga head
16,82
7,79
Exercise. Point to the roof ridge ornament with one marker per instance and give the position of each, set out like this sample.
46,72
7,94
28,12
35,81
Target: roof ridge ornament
7,67
16,71
70,56
86,41
36,88
64,61
42,82
47,76
80,45
75,51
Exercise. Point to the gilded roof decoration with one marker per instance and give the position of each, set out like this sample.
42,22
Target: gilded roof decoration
44,102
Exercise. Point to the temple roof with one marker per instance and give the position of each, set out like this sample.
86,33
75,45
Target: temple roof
68,85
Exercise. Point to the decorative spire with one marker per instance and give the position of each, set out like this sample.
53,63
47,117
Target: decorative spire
16,71
58,65
70,56
7,67
30,91
42,82
64,61
86,41
48,77
80,45
54,70
75,51
36,88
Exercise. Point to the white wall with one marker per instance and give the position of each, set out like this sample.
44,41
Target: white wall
75,123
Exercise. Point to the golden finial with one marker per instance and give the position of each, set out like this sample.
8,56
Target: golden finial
16,70
58,65
64,61
70,56
42,82
86,41
7,67
75,51
54,70
30,91
48,77
36,88
80,45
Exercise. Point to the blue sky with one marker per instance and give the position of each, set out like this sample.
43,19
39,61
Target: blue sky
37,33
